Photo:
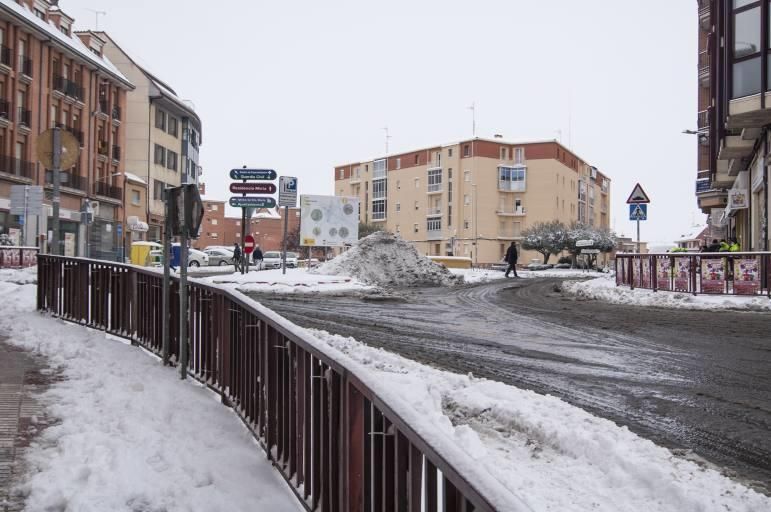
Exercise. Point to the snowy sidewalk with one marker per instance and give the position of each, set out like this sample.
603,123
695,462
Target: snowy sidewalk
128,434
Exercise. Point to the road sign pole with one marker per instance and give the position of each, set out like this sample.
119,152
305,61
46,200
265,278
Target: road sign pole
166,258
638,235
243,232
57,154
286,225
26,208
183,313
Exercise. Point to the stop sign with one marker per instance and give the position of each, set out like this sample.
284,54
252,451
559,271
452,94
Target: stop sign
248,244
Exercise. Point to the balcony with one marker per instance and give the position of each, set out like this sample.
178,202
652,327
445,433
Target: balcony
68,179
5,111
511,212
434,164
25,66
434,212
15,167
511,186
434,234
712,198
104,106
434,188
704,71
704,174
115,113
23,117
703,185
703,120
5,56
116,153
107,190
103,148
705,18
68,88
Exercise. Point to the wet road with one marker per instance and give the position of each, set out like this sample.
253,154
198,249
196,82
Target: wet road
694,381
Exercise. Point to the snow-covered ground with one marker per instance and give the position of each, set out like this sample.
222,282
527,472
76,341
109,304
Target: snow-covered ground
294,281
605,289
130,435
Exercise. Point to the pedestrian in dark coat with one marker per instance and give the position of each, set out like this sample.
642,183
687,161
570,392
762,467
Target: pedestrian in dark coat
237,257
257,257
511,258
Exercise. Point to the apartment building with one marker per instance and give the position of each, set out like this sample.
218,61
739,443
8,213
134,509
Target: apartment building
212,226
734,81
163,134
52,77
474,197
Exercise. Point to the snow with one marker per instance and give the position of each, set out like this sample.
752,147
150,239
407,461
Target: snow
386,259
129,434
134,178
692,233
605,289
295,281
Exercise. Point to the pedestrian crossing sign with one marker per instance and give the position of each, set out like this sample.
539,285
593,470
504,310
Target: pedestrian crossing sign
638,212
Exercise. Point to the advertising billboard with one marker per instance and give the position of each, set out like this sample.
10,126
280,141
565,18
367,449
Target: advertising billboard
328,221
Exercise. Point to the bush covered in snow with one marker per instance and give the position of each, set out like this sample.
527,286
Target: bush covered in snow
386,259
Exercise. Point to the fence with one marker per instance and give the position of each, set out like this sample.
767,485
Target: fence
734,273
338,445
17,257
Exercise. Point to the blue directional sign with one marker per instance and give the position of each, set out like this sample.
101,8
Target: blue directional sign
253,174
638,211
252,202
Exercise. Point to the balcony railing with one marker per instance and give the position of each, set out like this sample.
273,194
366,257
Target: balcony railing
23,116
511,186
68,87
5,56
434,187
103,148
107,190
705,15
68,179
5,109
434,234
116,112
703,185
433,212
702,121
25,65
77,133
16,167
703,174
434,164
116,152
704,68
104,106
511,211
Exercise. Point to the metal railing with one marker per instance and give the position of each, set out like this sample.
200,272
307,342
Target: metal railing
106,190
23,116
116,152
702,120
715,273
339,445
25,65
17,167
104,106
703,64
5,55
68,179
116,112
103,147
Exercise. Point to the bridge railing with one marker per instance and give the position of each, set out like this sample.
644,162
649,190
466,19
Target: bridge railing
713,273
338,444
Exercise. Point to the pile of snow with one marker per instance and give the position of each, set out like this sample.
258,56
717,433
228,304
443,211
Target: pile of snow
128,434
606,290
385,259
19,276
294,281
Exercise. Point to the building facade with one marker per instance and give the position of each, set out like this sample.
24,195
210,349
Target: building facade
474,197
734,143
266,226
212,226
163,135
50,77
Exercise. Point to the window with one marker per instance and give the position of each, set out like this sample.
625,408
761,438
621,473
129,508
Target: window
40,14
398,229
518,205
466,199
378,209
379,189
173,126
398,163
467,176
160,155
341,173
160,119
136,200
379,168
416,228
158,187
434,224
357,172
449,191
417,159
511,178
215,207
449,174
435,180
238,223
398,207
417,182
466,224
398,185
746,48
214,222
503,153
417,205
449,215
466,150
449,152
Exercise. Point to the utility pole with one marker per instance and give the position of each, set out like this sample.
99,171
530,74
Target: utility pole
97,14
166,276
57,158
386,139
473,110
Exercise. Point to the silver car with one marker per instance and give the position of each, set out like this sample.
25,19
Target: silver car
219,256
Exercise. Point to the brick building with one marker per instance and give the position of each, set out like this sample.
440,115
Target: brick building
267,228
52,77
212,226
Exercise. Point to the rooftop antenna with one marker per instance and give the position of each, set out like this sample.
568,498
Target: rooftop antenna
96,14
473,110
387,137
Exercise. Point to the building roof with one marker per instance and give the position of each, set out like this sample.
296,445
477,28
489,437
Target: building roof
70,43
693,233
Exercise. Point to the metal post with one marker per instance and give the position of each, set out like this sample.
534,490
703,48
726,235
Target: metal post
183,313
26,216
243,232
166,276
57,156
286,225
638,235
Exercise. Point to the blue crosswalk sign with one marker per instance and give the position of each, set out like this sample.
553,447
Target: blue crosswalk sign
638,211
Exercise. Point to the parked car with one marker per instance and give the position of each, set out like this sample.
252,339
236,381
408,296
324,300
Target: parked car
219,256
291,259
195,258
271,259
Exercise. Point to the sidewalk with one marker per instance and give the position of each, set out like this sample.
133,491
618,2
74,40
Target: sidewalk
20,381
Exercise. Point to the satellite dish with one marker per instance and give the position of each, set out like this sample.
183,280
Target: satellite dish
70,149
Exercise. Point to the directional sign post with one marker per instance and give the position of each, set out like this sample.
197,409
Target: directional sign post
287,196
253,174
638,208
248,244
252,202
249,203
253,188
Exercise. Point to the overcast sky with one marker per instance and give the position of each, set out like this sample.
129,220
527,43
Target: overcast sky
300,86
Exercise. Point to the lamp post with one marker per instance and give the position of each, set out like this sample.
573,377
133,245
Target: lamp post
476,229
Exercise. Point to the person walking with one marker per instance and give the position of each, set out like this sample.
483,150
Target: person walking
723,247
237,256
733,245
257,257
511,258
